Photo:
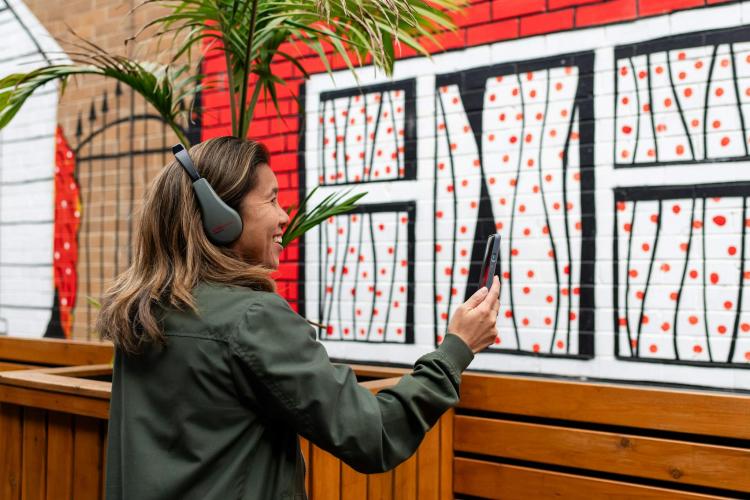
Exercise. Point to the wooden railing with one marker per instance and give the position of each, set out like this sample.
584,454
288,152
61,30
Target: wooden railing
510,437
53,427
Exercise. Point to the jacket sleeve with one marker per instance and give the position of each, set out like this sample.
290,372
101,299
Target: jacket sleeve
275,358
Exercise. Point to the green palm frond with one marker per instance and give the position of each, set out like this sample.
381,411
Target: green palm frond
255,34
166,88
331,206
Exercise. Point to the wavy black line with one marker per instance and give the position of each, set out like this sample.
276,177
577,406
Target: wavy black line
455,206
368,165
682,281
651,112
573,117
679,108
345,141
648,275
737,96
637,110
627,282
374,275
337,157
705,102
738,304
395,139
393,279
546,212
434,217
356,282
705,301
321,150
341,275
513,215
336,270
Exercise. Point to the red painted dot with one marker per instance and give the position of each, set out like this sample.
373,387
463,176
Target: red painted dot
725,141
693,320
550,299
560,344
665,267
665,326
727,304
633,273
673,296
536,347
526,290
525,321
688,92
732,250
697,349
745,327
627,129
719,92
680,149
653,348
694,274
721,329
547,320
714,278
646,247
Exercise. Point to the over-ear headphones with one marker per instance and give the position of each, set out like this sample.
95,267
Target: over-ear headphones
222,223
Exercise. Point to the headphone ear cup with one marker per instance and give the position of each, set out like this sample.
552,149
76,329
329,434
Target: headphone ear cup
222,223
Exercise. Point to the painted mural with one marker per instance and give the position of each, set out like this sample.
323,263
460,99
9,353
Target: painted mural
29,157
615,174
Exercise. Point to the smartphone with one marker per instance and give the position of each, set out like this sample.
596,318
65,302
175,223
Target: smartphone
491,261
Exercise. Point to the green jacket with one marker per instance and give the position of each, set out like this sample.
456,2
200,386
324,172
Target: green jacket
216,413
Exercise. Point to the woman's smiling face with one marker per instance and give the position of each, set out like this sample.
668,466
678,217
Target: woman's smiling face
263,221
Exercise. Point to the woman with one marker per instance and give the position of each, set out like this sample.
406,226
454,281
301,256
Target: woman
215,375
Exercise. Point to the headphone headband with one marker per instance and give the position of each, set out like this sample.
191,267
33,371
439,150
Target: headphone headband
183,158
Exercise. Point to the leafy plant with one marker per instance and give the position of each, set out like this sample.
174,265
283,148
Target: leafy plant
252,35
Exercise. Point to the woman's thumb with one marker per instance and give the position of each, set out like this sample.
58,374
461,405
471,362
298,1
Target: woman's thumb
477,298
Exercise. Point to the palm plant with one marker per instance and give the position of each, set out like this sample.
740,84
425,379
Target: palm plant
252,35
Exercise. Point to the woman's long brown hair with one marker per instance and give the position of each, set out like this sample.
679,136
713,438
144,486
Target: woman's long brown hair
171,253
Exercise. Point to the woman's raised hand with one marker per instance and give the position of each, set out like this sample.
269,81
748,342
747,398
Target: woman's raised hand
474,320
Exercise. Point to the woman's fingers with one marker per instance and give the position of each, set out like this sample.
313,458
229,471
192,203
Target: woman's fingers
477,298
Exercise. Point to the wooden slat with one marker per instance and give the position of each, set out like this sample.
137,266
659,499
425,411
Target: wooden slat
10,451
405,479
57,383
446,424
697,412
380,486
59,456
372,371
34,459
6,366
353,484
78,405
55,352
507,482
87,459
325,475
632,455
428,463
78,371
